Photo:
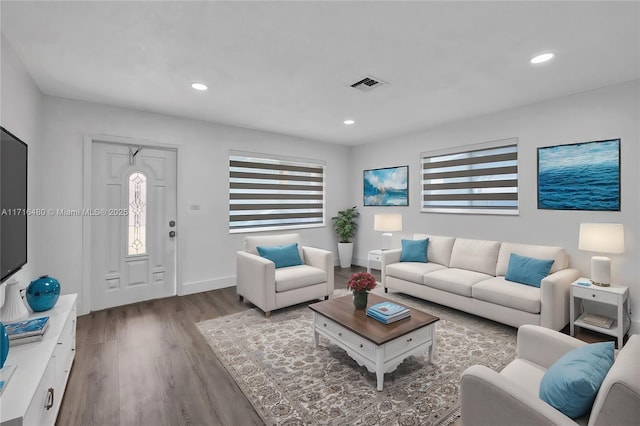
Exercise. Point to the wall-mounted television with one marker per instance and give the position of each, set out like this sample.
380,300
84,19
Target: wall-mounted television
13,204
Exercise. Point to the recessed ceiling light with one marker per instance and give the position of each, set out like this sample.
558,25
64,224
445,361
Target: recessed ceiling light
199,86
348,122
541,58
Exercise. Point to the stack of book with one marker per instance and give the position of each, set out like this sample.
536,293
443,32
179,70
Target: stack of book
27,331
388,312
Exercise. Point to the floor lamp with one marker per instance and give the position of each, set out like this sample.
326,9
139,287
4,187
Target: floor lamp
387,223
601,238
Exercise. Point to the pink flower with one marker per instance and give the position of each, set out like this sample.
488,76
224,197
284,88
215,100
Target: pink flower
361,281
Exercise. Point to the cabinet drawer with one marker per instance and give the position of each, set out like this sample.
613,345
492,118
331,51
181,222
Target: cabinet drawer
408,341
41,410
599,296
375,257
345,336
64,351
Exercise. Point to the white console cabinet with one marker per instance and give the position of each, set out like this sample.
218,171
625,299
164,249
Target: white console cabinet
34,392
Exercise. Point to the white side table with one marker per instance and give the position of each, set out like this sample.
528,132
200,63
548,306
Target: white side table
373,256
616,295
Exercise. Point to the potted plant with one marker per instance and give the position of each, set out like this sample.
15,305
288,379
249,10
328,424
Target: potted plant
345,225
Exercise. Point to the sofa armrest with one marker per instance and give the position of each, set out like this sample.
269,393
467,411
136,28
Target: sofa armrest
487,398
388,257
544,346
318,257
618,400
322,259
554,298
256,279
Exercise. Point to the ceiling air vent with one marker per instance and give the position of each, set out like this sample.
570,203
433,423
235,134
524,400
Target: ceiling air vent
368,83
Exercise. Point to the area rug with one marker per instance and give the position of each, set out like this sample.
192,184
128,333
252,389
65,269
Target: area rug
290,382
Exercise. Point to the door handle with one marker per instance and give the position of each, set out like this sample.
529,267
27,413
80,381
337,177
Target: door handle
172,234
49,402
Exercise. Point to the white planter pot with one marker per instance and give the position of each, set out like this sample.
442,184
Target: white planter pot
345,253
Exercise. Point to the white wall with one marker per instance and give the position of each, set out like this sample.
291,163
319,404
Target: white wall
54,128
206,249
611,112
21,114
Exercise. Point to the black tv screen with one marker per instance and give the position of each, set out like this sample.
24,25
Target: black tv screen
13,204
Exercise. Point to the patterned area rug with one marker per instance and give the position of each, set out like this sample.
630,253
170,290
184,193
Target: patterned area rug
289,382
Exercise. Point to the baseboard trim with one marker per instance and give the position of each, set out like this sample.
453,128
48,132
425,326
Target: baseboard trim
206,285
359,262
354,262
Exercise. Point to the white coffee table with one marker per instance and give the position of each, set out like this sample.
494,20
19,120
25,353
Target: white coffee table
378,347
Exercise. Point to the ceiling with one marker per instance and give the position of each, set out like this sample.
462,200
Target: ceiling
286,67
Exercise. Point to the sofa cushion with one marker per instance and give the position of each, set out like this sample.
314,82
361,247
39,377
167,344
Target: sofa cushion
570,385
411,271
293,277
539,252
527,270
512,295
525,373
414,250
453,280
282,256
439,248
475,255
253,241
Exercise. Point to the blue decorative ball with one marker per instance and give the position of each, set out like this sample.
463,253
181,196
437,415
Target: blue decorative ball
43,293
4,345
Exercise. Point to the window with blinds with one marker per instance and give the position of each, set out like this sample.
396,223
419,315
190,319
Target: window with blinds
270,193
481,179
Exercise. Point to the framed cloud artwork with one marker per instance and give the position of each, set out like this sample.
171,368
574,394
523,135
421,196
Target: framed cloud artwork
386,187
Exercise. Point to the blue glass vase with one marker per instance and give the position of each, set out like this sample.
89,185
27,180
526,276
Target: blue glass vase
43,293
4,345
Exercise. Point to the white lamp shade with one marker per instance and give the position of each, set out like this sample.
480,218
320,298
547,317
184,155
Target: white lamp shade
602,237
387,222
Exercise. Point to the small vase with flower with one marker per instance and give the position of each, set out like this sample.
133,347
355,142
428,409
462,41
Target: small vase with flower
360,284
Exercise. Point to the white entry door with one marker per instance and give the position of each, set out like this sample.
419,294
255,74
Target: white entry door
133,224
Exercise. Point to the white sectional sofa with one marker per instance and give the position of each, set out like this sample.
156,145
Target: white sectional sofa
469,275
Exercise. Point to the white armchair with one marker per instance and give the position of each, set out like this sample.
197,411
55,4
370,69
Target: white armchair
511,396
270,288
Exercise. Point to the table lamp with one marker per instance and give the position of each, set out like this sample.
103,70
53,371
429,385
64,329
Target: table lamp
387,223
601,238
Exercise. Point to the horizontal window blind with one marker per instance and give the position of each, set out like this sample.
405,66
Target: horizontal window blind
480,179
269,193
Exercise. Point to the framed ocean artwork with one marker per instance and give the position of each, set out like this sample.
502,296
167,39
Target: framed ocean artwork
386,187
580,176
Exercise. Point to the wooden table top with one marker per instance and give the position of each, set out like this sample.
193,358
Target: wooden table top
342,311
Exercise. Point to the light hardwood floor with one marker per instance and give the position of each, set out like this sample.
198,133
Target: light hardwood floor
147,364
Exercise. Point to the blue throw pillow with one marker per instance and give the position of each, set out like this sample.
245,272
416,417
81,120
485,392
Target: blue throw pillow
414,251
282,256
570,385
527,270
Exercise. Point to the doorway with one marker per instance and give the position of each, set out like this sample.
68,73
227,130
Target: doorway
132,223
